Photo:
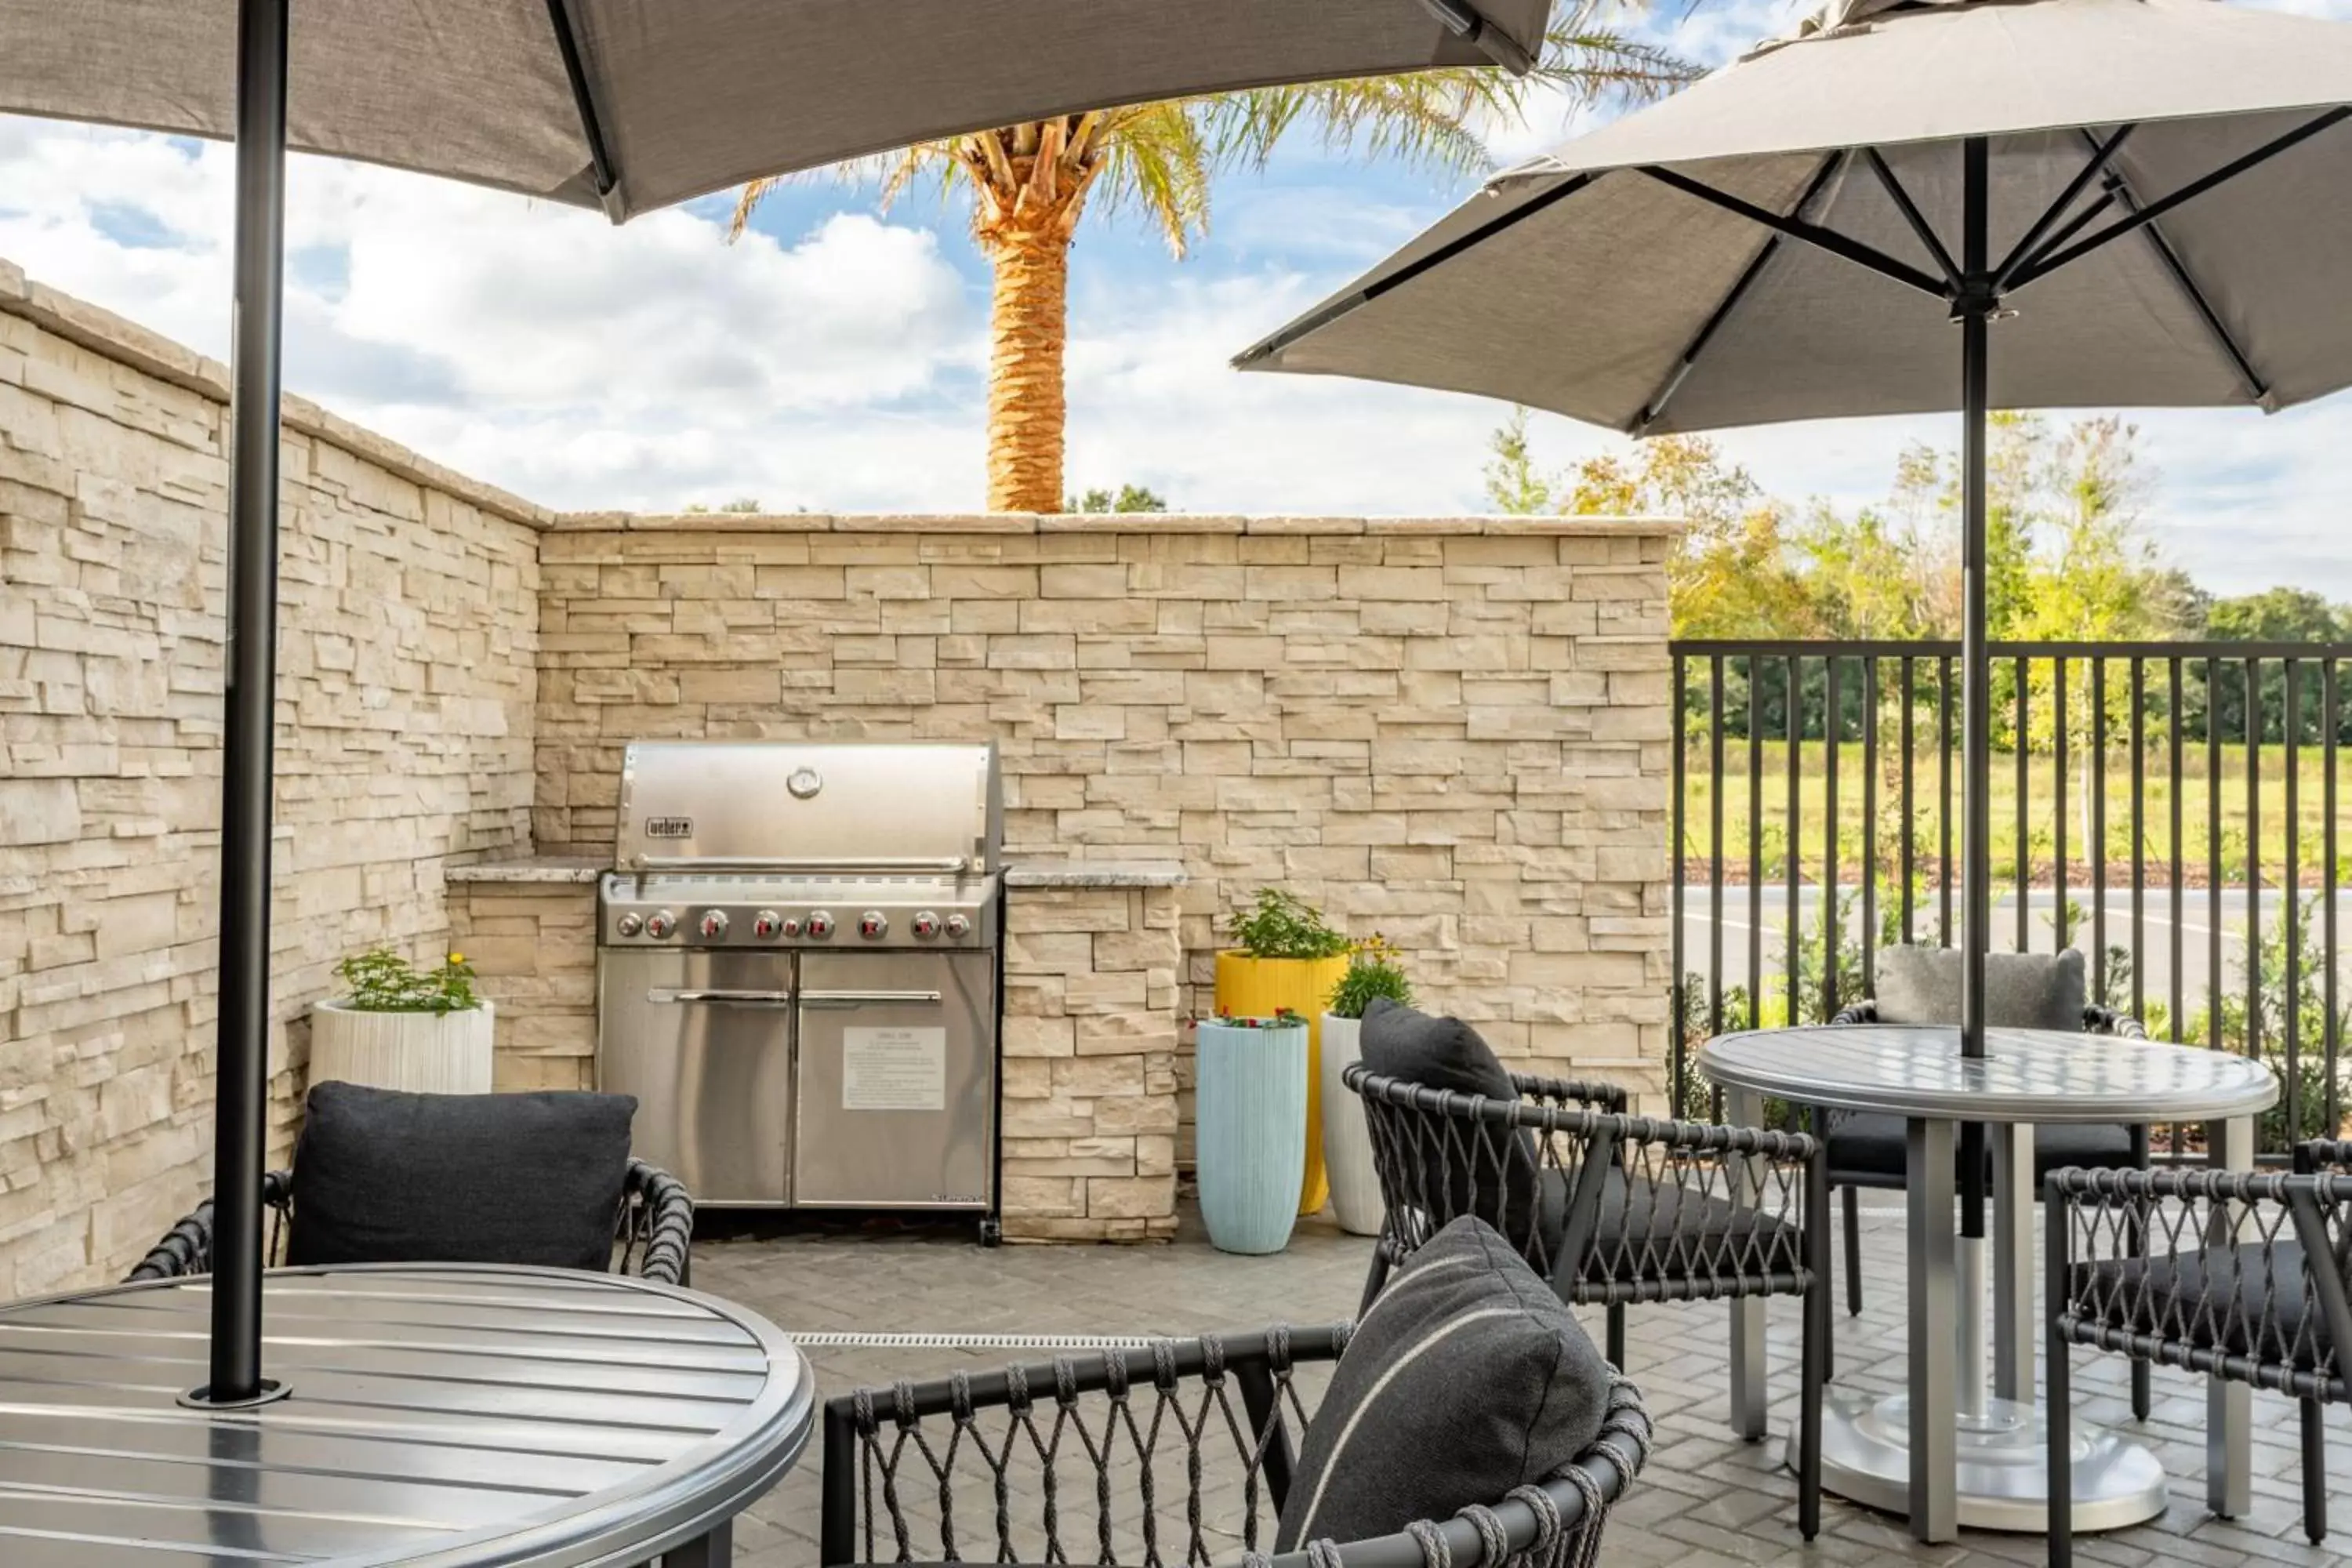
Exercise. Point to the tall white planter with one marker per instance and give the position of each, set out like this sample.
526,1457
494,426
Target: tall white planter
1347,1141
430,1053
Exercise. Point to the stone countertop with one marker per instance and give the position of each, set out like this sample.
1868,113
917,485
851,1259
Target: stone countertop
1095,874
575,868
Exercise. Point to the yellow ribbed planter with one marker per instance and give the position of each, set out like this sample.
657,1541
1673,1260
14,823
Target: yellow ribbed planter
1258,988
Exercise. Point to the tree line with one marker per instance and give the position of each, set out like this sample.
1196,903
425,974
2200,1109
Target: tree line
2067,559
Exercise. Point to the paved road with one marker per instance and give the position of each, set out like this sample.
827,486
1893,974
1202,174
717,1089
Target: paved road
2196,930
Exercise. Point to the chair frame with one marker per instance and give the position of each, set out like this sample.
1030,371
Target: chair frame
653,1231
1580,1130
2111,1216
1176,1393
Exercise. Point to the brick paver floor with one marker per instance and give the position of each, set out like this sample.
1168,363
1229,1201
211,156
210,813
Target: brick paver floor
1706,1499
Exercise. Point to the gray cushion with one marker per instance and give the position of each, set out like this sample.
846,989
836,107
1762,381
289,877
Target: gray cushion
2022,990
382,1176
2241,1300
1461,1173
1465,1379
1867,1144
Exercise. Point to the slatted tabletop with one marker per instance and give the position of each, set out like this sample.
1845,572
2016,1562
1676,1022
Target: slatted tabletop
2025,1075
445,1416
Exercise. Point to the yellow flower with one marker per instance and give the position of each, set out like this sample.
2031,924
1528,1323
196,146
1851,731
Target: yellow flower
456,958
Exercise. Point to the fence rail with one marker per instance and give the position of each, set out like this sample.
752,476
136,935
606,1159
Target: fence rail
2143,793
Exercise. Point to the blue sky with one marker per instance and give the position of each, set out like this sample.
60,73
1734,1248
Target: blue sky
833,359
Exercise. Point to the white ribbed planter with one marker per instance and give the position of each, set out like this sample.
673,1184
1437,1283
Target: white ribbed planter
429,1053
1347,1141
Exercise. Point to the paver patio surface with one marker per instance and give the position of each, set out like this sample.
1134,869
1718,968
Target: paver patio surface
1706,1499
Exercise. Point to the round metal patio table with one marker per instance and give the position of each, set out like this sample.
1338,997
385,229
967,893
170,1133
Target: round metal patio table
443,1416
1949,1452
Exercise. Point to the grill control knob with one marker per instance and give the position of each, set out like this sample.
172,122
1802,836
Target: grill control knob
766,924
660,923
873,923
714,924
791,925
957,926
628,925
927,924
820,924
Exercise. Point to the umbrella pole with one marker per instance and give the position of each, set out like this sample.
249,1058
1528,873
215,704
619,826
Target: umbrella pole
241,1098
1974,308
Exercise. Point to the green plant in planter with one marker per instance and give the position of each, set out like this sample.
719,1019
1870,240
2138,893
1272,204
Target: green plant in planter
381,981
1282,925
1284,1018
1374,970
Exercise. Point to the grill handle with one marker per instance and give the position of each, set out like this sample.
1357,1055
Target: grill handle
865,998
793,863
664,997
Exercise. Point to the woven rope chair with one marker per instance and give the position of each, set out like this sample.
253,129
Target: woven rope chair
2234,1274
1611,1209
651,1233
1173,1455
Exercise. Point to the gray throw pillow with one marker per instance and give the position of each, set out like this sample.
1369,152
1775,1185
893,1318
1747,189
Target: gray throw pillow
384,1176
1487,1171
1465,1379
2022,990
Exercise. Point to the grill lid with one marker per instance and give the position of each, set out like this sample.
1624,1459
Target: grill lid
772,806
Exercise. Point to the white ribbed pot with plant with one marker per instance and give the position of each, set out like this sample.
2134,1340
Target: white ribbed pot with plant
1249,1127
399,1026
1373,971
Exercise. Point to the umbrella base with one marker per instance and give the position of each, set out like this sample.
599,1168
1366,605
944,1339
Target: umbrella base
2003,1475
269,1393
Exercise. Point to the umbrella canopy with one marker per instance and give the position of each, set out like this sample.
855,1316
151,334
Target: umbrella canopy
1594,282
634,104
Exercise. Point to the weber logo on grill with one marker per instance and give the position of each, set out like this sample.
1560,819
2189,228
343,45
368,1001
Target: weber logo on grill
669,827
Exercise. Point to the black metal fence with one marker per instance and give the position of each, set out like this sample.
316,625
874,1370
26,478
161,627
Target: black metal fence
2171,808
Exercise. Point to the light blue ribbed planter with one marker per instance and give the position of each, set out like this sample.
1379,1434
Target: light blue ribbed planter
1250,1133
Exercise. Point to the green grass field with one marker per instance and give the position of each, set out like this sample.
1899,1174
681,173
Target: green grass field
2153,826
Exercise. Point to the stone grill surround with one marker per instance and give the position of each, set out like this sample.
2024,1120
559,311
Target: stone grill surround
408,621
1454,731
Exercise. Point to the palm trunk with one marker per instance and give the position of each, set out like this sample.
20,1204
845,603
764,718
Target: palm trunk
1028,334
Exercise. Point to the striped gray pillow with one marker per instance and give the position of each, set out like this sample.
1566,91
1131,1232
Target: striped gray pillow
1465,1378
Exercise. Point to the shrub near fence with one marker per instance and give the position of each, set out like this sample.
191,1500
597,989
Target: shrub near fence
2148,784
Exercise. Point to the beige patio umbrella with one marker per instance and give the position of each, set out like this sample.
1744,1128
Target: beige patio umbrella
2118,202
626,105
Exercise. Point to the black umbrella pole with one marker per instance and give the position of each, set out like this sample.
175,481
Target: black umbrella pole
1975,307
241,1109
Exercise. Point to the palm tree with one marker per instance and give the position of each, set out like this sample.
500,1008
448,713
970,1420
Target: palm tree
1030,183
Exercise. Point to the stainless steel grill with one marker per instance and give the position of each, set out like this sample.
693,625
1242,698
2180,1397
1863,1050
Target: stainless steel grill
797,971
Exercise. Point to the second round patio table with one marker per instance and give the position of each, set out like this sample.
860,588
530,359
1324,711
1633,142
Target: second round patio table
1949,1452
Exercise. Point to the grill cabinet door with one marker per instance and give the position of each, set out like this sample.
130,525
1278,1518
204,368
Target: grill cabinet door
898,1081
704,1041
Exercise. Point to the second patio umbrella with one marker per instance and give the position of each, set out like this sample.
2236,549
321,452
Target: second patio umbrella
626,105
2116,203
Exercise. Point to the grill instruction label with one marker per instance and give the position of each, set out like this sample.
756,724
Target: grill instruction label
894,1070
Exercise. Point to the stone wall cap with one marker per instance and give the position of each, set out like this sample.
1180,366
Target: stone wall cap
1123,524
563,868
101,331
1096,874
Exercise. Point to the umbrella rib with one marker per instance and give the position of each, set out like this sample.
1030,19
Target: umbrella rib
1827,239
1331,312
2121,189
1464,21
567,44
1655,408
1915,218
2102,154
2043,266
